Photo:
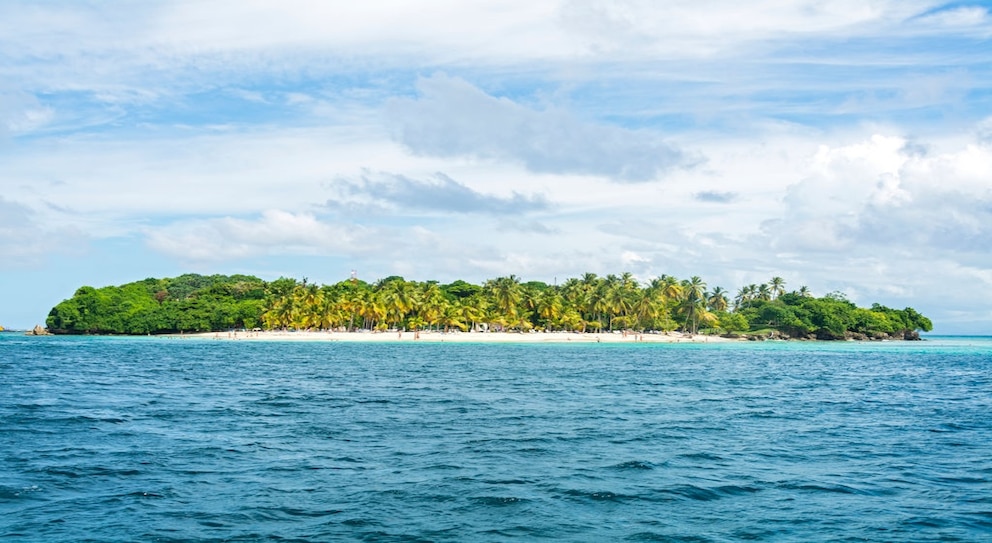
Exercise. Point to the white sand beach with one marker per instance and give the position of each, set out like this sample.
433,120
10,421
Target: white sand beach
459,337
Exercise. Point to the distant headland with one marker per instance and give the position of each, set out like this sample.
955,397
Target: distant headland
665,307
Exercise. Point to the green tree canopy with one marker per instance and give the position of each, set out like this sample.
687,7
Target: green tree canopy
198,303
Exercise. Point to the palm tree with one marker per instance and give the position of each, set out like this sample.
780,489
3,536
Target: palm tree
549,306
666,293
398,298
617,297
591,298
667,286
373,309
433,303
746,295
473,310
741,298
351,301
693,299
764,293
646,308
506,293
309,300
416,323
717,300
280,313
451,315
588,302
599,304
571,320
777,285
576,297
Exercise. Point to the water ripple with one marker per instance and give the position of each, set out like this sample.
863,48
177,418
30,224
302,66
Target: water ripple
113,439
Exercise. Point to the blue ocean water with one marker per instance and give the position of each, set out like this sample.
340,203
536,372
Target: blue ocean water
149,439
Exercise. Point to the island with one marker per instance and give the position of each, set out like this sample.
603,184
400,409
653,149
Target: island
590,304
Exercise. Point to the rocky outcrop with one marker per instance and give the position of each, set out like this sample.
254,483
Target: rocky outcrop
39,331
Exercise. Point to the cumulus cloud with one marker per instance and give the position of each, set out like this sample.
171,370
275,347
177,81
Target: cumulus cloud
984,131
881,193
25,240
448,250
439,193
452,118
274,232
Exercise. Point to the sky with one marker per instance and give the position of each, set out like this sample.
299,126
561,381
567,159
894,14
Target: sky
845,146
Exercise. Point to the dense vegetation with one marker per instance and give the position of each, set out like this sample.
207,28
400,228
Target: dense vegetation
191,303
195,303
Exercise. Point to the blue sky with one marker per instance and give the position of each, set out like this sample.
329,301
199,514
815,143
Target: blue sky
845,146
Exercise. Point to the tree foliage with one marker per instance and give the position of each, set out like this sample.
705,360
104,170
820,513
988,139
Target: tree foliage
188,303
197,303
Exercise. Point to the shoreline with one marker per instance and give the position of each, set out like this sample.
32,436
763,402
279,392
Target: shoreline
455,337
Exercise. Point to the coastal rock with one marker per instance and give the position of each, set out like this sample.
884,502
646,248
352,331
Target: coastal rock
911,335
39,331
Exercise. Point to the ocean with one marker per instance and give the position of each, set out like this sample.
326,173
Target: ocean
151,439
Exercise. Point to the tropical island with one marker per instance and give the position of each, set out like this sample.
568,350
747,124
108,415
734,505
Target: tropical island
193,303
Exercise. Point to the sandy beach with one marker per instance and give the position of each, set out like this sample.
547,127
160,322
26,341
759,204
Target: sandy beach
458,337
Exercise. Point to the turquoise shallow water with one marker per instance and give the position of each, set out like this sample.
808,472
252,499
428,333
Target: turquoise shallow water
111,439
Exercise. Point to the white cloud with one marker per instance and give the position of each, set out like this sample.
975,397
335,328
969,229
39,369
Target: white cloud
879,193
958,18
191,172
984,131
717,197
26,241
693,28
452,118
398,194
13,215
234,35
21,112
445,31
434,27
275,232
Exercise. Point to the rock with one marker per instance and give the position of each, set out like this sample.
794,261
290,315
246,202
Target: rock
39,331
911,335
